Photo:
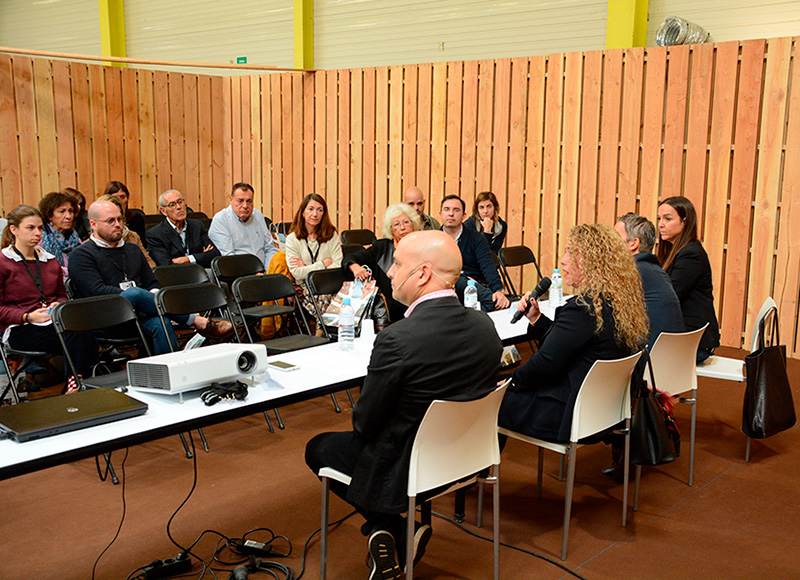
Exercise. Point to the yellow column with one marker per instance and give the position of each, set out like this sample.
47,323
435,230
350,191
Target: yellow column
627,23
304,34
112,29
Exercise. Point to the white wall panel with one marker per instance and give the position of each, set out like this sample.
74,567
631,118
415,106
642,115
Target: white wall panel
56,25
730,19
357,33
218,32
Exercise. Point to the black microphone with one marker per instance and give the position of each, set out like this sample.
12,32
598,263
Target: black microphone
542,287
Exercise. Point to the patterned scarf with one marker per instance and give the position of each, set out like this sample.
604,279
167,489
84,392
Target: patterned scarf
59,244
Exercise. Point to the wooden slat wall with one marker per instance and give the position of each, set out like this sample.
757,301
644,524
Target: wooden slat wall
561,139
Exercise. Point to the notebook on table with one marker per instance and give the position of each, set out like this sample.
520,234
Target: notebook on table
54,415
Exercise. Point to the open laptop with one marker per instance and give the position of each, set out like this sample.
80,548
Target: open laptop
54,415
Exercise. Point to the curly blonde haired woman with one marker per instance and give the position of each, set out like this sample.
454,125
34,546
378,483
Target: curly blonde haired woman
605,319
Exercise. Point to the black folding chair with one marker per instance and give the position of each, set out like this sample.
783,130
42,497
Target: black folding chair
283,227
349,249
227,268
151,220
29,357
514,256
358,237
177,274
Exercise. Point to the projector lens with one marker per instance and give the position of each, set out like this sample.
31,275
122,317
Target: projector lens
246,362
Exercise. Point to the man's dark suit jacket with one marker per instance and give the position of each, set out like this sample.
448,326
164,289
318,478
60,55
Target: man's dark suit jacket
542,397
663,306
441,351
690,273
164,243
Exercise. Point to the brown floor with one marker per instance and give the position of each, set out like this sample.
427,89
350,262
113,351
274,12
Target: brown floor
738,521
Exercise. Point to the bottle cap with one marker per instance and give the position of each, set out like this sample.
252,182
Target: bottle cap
346,300
556,271
470,282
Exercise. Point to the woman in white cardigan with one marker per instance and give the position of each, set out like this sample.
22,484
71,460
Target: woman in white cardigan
312,243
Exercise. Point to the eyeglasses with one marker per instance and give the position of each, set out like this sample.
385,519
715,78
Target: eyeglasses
112,221
402,223
178,203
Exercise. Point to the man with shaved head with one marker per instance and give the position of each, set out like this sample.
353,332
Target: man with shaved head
416,200
440,350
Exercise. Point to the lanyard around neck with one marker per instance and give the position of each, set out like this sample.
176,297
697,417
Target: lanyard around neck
37,279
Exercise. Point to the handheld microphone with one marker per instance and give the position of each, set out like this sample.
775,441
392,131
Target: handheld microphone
542,287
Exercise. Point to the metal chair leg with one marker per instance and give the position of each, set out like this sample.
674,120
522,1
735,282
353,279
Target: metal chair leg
185,446
203,439
747,451
323,537
269,423
350,396
568,499
336,404
114,478
280,421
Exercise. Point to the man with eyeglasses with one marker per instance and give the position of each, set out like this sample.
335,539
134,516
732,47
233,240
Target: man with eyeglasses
241,229
179,240
105,264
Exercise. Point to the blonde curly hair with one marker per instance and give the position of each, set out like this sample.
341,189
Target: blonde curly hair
609,275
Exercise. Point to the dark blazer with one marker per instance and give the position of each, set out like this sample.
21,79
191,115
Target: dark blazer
495,241
690,273
542,397
441,351
663,306
164,243
378,257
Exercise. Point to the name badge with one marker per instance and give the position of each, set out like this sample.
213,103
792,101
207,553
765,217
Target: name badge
125,284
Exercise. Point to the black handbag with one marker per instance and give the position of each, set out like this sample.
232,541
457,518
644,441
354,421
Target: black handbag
655,438
768,405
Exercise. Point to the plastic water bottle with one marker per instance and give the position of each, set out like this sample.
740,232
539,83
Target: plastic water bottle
556,289
347,325
357,290
471,296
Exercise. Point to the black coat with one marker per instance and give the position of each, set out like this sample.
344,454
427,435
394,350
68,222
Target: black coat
441,351
542,397
378,257
663,306
690,273
164,243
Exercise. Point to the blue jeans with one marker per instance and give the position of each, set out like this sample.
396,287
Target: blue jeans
144,302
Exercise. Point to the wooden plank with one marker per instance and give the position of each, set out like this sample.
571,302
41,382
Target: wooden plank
287,136
245,143
205,156
787,267
31,190
343,207
46,124
500,136
768,177
10,178
590,137
630,137
553,107
162,130
321,123
424,122
229,173
515,199
220,187
332,153
356,149
191,137
277,150
675,121
382,128
395,137
410,127
298,108
610,122
267,195
146,129
719,162
571,139
82,122
531,233
116,135
469,131
439,124
130,136
748,103
308,132
452,168
369,174
697,137
65,135
235,141
483,135
652,127
265,205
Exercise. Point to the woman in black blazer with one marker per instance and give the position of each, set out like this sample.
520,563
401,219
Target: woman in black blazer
681,254
486,219
605,319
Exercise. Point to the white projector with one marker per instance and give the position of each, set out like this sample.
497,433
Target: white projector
186,370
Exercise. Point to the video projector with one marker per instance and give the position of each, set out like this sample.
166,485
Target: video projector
186,370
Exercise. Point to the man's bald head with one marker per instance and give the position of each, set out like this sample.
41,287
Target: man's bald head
106,220
424,262
415,199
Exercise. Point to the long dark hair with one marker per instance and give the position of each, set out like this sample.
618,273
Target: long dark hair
685,210
15,217
325,230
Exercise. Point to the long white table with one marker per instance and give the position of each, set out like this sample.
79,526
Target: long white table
322,370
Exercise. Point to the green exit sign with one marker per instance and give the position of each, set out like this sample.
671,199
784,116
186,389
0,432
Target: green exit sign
241,60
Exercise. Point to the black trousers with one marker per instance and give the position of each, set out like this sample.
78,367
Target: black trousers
82,345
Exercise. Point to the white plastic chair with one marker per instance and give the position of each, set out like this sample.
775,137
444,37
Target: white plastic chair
674,359
456,439
604,400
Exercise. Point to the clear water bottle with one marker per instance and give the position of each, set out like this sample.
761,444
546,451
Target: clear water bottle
556,290
347,325
471,296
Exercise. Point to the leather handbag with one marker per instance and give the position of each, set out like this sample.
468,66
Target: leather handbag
655,438
768,405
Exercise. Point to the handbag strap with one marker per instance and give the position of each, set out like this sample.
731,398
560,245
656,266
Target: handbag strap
775,338
646,357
